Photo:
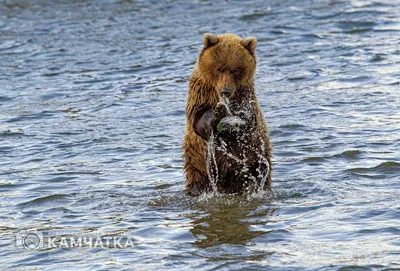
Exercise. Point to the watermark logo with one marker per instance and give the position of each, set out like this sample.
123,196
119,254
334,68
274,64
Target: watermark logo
34,240
29,239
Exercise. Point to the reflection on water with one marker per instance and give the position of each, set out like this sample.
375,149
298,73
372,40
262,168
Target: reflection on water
229,221
92,104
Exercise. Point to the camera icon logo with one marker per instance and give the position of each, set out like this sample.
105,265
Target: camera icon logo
30,239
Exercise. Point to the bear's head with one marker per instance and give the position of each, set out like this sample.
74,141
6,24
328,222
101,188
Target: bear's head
228,63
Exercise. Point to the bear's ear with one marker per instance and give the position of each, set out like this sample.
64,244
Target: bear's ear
250,44
209,40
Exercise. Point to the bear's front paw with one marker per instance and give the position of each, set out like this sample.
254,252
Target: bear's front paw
230,124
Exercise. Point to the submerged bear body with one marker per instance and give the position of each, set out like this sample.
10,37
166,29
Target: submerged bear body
226,146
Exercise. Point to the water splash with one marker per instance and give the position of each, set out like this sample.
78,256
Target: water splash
211,161
211,164
235,123
262,159
226,101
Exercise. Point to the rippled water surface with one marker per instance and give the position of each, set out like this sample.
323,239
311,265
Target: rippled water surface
92,100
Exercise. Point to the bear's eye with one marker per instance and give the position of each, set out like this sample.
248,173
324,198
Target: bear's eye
219,70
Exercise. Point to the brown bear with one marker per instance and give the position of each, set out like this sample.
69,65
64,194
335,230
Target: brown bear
226,146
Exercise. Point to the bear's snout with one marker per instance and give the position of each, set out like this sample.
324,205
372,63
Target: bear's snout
226,92
226,85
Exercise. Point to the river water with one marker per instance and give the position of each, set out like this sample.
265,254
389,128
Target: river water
92,100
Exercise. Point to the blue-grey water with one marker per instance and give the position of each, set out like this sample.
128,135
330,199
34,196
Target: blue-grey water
92,100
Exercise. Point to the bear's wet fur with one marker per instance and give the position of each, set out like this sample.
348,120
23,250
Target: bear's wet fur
226,67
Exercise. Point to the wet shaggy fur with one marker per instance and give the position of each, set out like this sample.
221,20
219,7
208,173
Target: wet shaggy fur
226,64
